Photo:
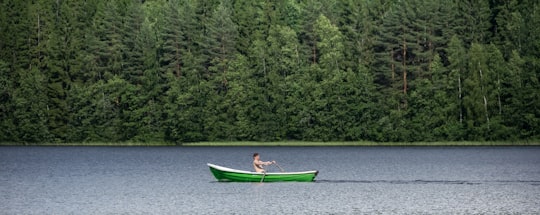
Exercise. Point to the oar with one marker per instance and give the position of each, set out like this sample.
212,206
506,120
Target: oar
281,169
262,179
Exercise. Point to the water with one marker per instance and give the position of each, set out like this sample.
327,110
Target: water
176,180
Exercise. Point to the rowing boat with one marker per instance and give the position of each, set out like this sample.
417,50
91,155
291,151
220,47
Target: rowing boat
234,175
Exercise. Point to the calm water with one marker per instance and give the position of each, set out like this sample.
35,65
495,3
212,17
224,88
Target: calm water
176,180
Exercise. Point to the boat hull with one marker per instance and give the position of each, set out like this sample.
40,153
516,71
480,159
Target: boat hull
231,175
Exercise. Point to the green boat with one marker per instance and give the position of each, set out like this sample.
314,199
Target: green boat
234,175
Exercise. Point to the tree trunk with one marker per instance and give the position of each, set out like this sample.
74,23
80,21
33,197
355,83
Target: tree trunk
499,94
393,66
486,111
460,108
484,96
404,62
177,60
314,49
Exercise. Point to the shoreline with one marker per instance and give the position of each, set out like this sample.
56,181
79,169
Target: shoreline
289,143
362,144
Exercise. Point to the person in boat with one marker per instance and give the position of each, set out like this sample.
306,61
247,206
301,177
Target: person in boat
258,164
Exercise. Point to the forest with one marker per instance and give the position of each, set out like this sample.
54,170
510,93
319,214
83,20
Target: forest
269,70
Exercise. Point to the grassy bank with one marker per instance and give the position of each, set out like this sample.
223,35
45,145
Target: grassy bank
285,143
93,144
362,143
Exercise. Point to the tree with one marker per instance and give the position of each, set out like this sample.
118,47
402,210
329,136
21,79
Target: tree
472,21
283,65
457,57
220,48
7,127
221,38
153,84
172,40
310,13
329,44
509,26
327,84
252,23
520,99
30,108
59,57
105,43
358,28
478,94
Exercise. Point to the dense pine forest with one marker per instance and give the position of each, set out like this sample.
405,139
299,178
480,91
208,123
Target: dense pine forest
269,70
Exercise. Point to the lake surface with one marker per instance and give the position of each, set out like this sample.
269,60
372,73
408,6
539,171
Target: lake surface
352,180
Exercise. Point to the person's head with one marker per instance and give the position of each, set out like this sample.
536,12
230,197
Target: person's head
255,156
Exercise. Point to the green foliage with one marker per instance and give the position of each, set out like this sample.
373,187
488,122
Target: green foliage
6,105
30,108
233,70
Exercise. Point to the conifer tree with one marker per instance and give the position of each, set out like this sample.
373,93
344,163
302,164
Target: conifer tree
311,11
30,108
7,127
472,21
105,43
220,48
172,39
509,27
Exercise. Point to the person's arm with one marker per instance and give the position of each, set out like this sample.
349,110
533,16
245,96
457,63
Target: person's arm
264,163
260,163
269,162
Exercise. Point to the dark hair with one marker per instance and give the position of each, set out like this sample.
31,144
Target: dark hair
255,154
